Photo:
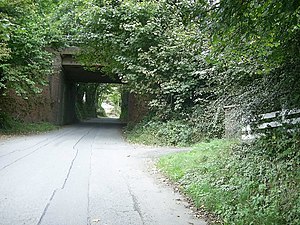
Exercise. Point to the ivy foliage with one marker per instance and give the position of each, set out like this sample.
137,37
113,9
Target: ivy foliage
256,46
187,55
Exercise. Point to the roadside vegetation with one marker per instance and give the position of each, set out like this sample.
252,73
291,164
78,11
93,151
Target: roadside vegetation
241,183
10,126
189,59
169,133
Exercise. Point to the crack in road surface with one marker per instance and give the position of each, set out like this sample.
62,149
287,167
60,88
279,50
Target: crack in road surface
136,205
30,153
32,146
78,181
65,181
89,181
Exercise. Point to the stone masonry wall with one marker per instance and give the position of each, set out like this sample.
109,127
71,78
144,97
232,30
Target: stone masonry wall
46,106
33,109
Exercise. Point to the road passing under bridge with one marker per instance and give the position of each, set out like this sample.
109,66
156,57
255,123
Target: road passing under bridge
85,174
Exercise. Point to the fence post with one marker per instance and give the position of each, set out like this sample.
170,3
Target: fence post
232,122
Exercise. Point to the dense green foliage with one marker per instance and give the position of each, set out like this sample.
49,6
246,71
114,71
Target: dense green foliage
86,100
91,96
256,47
203,123
185,56
155,132
190,56
241,183
111,96
25,33
148,46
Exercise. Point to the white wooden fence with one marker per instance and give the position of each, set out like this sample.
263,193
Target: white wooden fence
270,120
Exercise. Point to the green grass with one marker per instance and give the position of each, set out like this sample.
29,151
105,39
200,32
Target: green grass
11,126
238,184
16,127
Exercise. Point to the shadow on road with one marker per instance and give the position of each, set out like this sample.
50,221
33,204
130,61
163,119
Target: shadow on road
102,122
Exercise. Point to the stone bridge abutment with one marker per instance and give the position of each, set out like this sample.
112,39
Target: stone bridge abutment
56,103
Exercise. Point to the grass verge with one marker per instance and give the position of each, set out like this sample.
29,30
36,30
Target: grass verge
158,133
17,127
239,182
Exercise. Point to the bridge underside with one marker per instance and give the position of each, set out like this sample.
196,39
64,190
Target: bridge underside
77,73
68,72
57,102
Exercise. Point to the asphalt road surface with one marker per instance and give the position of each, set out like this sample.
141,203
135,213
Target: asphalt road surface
85,174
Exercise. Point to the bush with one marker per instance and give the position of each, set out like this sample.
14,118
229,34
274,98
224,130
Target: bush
170,133
5,121
9,125
242,183
279,144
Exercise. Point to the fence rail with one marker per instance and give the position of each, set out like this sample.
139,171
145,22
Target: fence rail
270,120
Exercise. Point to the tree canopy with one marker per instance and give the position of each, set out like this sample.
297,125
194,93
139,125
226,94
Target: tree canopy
25,33
181,54
186,53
